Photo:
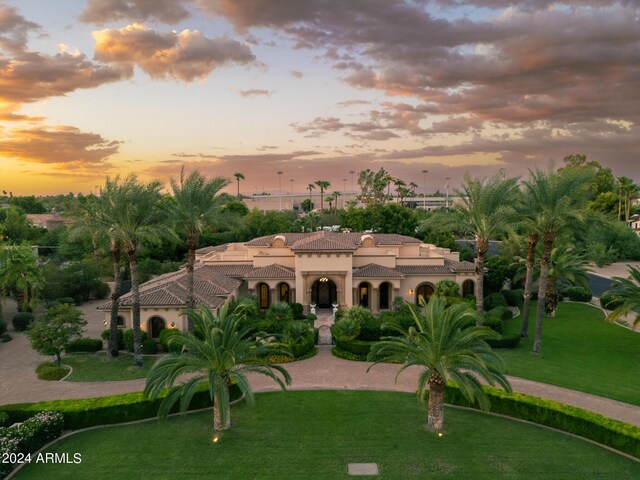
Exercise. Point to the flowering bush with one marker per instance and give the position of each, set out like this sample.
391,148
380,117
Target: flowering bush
28,436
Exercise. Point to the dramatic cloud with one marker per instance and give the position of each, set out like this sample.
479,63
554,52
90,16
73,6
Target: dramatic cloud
64,146
105,11
255,92
14,30
185,56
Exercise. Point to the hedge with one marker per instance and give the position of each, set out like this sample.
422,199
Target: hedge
503,313
119,337
513,297
494,300
579,294
89,412
3,326
610,301
22,320
51,372
358,347
612,433
506,341
84,345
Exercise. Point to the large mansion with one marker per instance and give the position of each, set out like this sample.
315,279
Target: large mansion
319,270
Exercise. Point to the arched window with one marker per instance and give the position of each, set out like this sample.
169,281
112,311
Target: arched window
283,292
424,291
385,295
364,292
468,288
155,325
263,295
120,321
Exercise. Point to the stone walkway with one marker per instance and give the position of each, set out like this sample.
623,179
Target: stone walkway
18,382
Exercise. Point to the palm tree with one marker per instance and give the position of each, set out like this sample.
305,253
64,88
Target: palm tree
140,218
239,176
336,195
555,197
486,213
628,290
225,352
19,271
330,199
310,187
526,210
323,185
440,344
195,200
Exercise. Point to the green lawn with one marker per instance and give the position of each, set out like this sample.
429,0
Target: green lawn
99,367
315,434
581,351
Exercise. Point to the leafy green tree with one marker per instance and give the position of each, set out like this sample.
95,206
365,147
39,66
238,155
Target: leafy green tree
228,350
17,229
322,185
196,200
20,272
601,179
306,205
28,204
486,213
445,350
627,289
60,325
258,224
556,197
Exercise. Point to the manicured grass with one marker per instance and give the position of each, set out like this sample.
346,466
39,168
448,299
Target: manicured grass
580,351
99,367
315,434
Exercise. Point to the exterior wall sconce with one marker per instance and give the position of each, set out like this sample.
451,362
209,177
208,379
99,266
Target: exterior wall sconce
173,324
105,323
411,291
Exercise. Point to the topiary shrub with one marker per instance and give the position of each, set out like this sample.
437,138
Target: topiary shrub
84,345
503,313
149,346
494,323
128,339
513,297
494,300
506,341
119,337
165,336
346,329
579,294
370,328
447,288
5,337
22,320
3,326
610,301
50,371
357,347
297,310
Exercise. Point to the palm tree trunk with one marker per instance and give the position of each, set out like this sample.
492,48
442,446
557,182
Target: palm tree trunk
218,407
191,260
435,416
321,200
542,290
551,300
115,302
482,246
531,258
135,309
238,196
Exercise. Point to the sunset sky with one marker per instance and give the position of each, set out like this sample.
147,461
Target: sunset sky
90,88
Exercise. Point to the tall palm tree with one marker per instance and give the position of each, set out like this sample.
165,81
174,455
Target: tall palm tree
556,197
440,344
628,290
486,213
527,212
239,176
20,271
195,200
330,199
336,195
226,351
322,185
310,187
141,218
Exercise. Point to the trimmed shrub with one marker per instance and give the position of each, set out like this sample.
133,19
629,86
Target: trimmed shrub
100,290
3,326
302,345
68,300
5,337
610,301
312,317
503,313
579,294
297,310
279,316
345,329
494,323
357,347
165,335
340,353
84,345
4,419
612,433
149,346
128,339
513,297
506,341
22,320
119,336
50,371
370,329
89,412
447,288
29,436
494,300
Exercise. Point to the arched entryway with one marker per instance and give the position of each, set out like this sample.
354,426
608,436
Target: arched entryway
364,295
263,295
468,288
284,292
384,292
424,290
324,292
155,325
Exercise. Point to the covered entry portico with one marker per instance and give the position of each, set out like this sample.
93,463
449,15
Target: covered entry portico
323,289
